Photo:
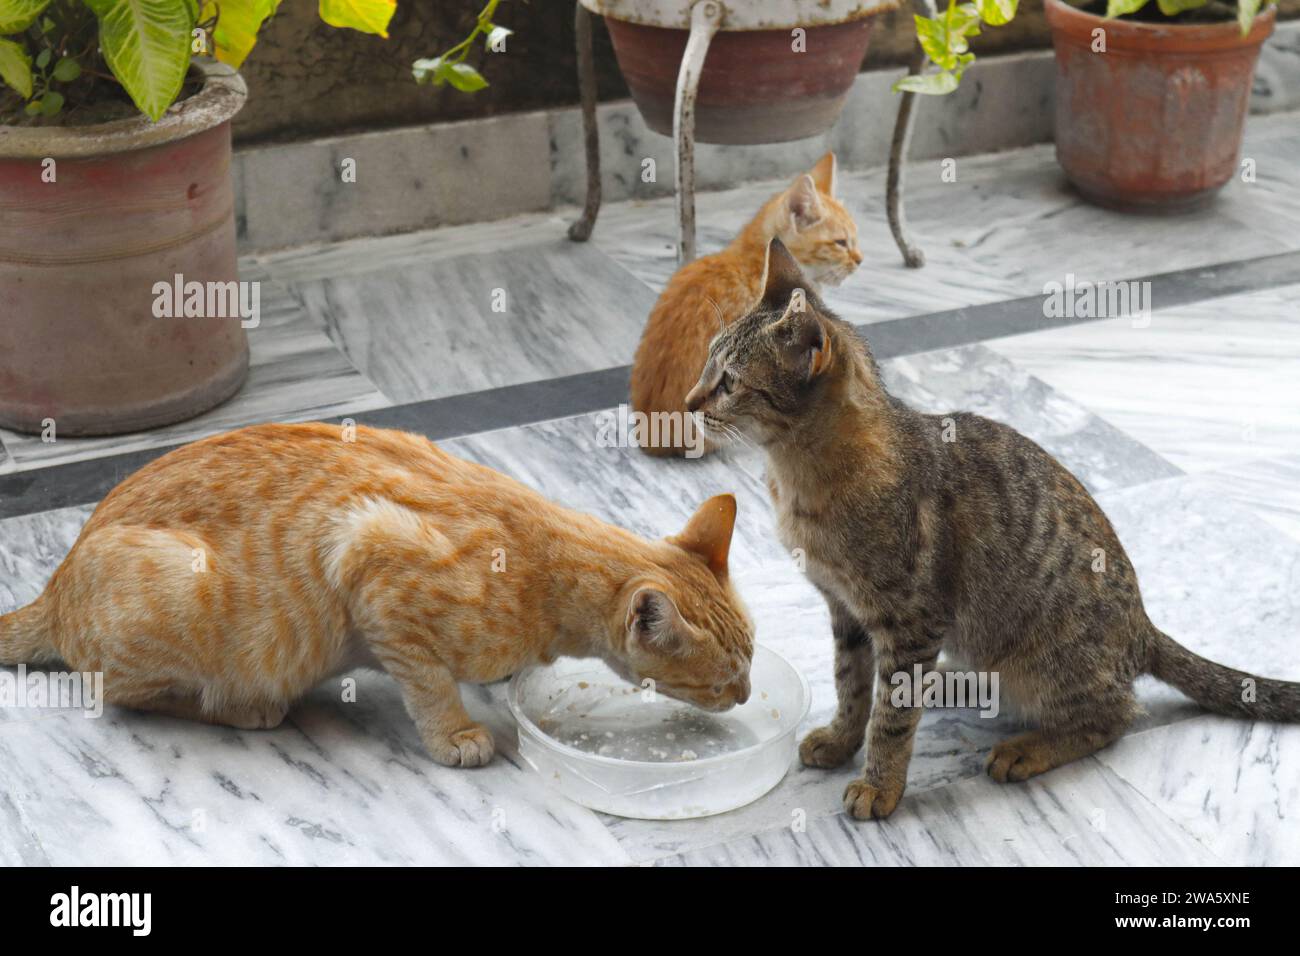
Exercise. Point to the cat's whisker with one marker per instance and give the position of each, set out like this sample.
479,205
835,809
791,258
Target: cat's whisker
722,324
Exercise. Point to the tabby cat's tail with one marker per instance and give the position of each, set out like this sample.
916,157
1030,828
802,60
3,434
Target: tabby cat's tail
24,636
1222,689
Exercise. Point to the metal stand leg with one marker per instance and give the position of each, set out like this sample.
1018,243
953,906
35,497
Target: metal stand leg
912,254
706,17
580,230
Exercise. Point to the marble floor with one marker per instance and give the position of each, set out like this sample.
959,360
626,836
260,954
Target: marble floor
1186,428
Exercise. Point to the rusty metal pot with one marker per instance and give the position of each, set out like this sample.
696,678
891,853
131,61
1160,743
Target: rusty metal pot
1155,122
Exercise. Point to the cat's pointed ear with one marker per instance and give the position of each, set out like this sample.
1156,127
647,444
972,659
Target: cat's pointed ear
823,175
804,338
653,620
708,533
781,276
804,204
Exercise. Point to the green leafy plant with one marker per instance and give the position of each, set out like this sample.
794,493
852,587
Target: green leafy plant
143,45
946,41
450,68
945,38
1246,9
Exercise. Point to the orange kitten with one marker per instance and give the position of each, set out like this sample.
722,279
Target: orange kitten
227,578
716,290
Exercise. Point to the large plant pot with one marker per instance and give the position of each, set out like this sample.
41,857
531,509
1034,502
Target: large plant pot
133,203
1155,122
754,87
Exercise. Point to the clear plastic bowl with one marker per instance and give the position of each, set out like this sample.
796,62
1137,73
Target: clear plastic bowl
621,750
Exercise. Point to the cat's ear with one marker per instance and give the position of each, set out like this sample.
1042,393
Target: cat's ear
823,175
781,276
804,339
708,533
804,204
653,620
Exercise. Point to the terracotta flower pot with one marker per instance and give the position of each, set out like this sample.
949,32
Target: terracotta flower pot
132,204
1155,122
754,88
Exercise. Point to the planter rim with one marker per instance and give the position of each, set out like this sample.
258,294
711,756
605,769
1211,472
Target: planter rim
1065,18
221,97
743,14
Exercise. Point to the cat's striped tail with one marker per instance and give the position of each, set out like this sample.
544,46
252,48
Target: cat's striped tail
24,636
1222,689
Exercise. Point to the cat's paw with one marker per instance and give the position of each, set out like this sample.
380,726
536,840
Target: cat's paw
1017,759
824,749
471,747
863,801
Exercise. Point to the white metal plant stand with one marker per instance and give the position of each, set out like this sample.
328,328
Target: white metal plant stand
704,18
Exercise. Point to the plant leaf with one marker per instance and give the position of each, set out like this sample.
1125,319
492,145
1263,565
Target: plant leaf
146,44
1172,8
931,84
67,70
237,28
1117,8
465,78
51,103
16,68
368,16
1246,10
996,12
17,15
428,70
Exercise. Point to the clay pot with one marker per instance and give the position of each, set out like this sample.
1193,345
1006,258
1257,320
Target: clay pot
754,87
132,204
1155,122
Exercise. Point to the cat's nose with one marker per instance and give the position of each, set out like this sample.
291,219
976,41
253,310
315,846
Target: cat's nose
695,398
856,256
742,689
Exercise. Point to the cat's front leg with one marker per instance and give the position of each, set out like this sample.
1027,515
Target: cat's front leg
834,744
892,727
432,698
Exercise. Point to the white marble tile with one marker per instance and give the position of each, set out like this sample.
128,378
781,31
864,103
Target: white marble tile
480,321
295,374
975,379
1230,783
1004,228
1269,487
1079,815
337,784
326,260
1207,385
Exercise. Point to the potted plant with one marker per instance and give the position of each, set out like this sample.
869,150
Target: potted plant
118,284
1151,97
1155,121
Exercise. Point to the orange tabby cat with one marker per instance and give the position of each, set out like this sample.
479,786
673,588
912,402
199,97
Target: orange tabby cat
227,578
716,290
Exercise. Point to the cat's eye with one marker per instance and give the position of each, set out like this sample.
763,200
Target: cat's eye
727,384
842,242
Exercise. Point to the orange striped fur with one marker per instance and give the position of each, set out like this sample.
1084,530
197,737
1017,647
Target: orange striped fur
226,579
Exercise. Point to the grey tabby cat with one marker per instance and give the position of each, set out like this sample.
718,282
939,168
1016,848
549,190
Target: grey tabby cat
984,545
